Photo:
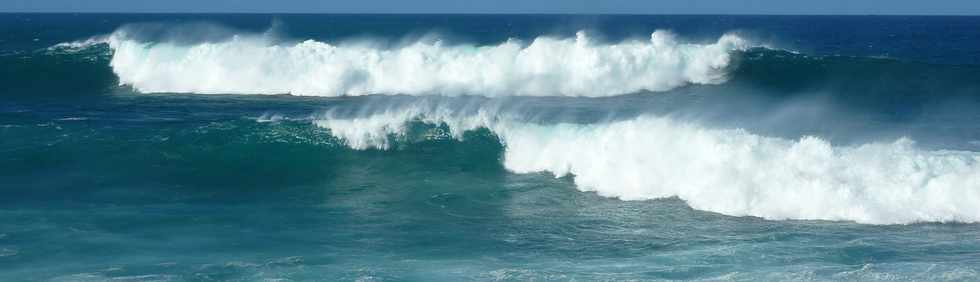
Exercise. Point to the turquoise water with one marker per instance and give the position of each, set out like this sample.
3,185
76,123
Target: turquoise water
829,153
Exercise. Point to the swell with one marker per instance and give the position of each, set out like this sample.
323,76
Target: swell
857,81
62,73
728,171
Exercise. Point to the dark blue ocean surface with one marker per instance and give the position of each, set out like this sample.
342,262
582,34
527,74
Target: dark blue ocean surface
489,147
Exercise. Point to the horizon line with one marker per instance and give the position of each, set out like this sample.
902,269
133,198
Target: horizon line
484,14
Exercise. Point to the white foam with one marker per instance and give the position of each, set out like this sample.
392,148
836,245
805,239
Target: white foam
733,172
546,66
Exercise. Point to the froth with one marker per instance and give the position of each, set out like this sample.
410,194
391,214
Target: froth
546,66
732,172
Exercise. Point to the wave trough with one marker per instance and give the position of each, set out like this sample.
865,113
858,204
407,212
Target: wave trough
546,66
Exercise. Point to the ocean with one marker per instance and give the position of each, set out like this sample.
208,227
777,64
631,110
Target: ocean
215,147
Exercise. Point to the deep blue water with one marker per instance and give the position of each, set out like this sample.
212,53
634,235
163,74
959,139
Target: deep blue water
113,169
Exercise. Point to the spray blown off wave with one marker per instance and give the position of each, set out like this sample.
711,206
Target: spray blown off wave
546,66
732,172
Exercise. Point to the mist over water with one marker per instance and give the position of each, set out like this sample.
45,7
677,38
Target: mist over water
569,152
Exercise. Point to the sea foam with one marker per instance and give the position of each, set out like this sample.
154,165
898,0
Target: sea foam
728,171
546,66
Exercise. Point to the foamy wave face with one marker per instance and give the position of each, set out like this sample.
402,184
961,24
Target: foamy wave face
544,67
732,172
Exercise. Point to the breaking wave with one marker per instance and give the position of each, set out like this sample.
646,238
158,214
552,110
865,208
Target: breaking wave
547,66
733,172
645,156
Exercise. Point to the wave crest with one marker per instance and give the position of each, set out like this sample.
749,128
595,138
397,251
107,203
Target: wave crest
546,66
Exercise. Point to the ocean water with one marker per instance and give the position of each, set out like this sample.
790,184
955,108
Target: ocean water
489,147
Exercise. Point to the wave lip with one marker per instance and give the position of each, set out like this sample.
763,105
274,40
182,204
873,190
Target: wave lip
546,66
732,172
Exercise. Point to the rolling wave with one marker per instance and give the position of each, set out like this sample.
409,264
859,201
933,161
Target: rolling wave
647,156
728,171
546,66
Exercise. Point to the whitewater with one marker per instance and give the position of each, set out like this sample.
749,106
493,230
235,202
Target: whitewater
546,66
